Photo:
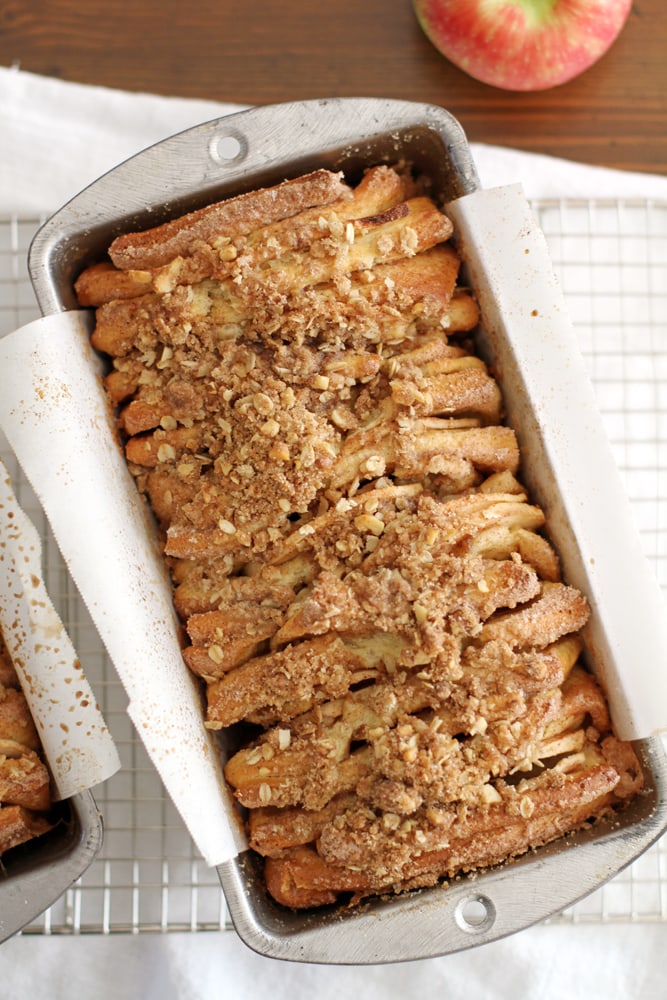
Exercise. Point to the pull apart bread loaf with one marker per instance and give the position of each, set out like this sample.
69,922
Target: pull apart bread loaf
25,784
362,580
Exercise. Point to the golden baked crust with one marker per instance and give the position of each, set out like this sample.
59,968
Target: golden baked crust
25,784
357,567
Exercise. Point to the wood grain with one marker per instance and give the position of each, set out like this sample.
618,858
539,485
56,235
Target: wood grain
278,50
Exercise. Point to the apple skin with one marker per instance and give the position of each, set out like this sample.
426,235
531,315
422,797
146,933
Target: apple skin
522,44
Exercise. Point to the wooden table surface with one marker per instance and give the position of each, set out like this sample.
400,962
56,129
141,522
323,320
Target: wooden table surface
263,51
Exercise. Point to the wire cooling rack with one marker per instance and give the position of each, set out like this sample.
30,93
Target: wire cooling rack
611,258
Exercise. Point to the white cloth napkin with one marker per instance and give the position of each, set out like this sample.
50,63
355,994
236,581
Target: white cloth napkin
55,138
545,963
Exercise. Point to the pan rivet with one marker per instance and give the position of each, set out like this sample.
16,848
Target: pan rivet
475,914
228,148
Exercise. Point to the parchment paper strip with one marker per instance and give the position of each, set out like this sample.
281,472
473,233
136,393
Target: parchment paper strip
54,413
75,739
566,455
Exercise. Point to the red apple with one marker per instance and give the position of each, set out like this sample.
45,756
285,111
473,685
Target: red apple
522,44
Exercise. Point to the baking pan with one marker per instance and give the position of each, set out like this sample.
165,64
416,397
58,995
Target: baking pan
35,874
72,739
229,156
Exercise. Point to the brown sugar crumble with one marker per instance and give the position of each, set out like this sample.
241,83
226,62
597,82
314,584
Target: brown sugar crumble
358,569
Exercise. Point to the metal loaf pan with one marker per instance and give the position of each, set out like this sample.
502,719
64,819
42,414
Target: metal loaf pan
235,154
35,874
